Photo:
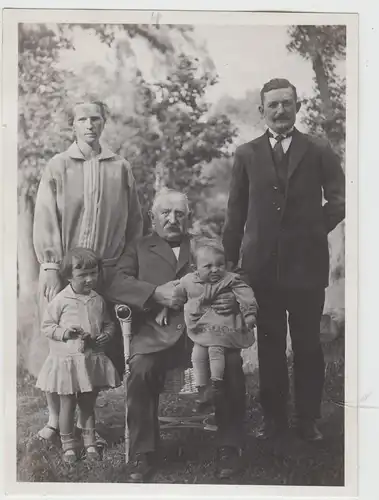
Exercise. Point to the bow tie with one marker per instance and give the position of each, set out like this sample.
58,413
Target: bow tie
279,137
174,244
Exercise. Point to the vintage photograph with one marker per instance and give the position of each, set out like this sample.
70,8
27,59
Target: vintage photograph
181,251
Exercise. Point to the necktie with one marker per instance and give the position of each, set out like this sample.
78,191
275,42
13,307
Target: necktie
277,150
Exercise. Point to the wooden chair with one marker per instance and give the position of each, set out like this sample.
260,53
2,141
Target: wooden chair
178,381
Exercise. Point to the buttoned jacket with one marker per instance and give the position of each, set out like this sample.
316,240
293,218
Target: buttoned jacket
143,267
86,202
266,226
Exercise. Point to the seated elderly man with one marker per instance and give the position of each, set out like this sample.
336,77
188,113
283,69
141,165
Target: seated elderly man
145,279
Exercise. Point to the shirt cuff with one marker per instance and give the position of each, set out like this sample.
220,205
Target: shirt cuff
59,334
149,303
47,266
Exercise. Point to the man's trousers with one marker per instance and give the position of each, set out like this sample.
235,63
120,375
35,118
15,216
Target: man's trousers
146,382
304,309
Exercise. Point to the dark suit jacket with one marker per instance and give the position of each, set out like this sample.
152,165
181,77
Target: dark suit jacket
291,228
151,262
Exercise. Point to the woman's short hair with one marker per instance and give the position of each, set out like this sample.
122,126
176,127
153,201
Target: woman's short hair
104,110
79,258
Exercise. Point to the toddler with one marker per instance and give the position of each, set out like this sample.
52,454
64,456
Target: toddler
77,325
211,332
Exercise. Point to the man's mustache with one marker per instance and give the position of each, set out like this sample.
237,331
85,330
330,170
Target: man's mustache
281,117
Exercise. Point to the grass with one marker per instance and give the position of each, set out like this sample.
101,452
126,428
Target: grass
286,462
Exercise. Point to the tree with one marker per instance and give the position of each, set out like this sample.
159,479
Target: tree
185,135
41,95
244,112
324,47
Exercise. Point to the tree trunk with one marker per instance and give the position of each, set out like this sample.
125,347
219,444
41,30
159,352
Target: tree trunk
160,177
322,83
26,259
321,76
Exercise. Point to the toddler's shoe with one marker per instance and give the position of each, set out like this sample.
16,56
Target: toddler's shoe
204,401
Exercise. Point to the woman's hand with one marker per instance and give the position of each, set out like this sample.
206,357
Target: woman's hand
52,284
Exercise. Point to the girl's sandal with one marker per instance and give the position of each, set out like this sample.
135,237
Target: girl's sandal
48,433
92,453
69,444
89,443
69,458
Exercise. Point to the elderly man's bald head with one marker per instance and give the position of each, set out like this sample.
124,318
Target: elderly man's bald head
170,215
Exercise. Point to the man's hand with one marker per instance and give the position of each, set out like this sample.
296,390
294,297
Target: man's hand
101,340
225,303
165,295
230,266
162,317
251,322
52,284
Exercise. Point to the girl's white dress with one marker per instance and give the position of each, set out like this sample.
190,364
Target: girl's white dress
72,367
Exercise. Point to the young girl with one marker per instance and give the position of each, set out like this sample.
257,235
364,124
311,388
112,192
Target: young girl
77,326
211,332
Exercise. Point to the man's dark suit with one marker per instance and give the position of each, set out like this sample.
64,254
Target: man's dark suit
281,229
155,349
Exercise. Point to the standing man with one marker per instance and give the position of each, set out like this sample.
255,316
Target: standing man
277,218
87,197
145,279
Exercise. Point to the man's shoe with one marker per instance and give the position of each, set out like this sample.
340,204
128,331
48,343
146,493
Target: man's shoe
141,468
308,430
210,423
271,429
229,461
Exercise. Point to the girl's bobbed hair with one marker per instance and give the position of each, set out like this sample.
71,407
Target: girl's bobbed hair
79,258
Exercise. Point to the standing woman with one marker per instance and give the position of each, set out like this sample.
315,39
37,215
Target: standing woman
87,197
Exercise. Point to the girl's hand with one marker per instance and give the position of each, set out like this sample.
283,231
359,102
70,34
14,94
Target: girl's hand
52,284
101,340
73,332
84,338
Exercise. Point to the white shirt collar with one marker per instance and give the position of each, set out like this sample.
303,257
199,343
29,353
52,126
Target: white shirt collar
275,134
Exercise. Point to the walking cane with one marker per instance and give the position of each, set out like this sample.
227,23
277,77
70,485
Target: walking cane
124,316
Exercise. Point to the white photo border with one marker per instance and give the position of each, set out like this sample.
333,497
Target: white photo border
10,248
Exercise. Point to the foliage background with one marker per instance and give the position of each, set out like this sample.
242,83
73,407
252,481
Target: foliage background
170,114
